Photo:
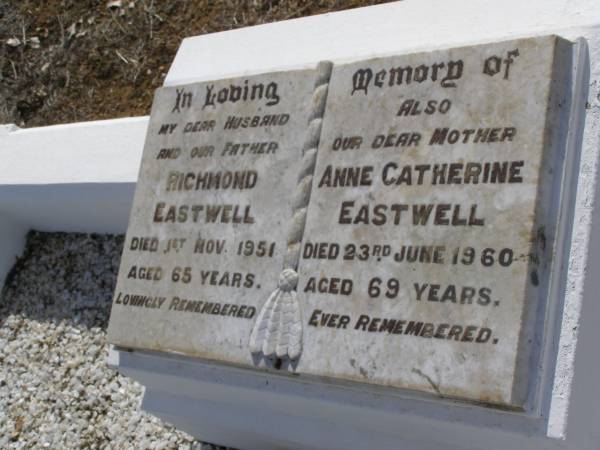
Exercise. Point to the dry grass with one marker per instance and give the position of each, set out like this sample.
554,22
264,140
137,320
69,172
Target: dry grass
95,62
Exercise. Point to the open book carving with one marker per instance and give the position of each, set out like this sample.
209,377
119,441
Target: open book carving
388,222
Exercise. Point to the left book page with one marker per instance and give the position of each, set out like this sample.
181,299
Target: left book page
208,230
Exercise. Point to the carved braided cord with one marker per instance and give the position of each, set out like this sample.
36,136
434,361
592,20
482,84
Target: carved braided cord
278,327
309,159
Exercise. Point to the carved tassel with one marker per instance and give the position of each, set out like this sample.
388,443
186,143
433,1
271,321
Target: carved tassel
278,328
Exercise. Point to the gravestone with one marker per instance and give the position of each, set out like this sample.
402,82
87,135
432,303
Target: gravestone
387,223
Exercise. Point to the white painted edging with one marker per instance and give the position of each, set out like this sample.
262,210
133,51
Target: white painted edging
233,407
75,177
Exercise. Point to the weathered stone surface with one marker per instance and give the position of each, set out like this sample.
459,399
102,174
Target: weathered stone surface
424,262
220,246
431,205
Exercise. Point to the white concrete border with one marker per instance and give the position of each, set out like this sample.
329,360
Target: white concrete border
75,177
218,401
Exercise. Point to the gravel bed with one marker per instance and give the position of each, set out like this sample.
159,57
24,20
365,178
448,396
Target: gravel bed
56,390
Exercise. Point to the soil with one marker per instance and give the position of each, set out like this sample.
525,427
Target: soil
76,60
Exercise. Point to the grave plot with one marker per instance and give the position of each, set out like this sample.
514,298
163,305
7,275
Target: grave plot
373,229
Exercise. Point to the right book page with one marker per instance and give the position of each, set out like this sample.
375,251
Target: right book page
423,256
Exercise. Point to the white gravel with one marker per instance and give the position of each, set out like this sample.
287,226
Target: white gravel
55,388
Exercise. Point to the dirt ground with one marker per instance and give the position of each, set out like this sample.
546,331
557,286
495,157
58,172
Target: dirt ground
75,60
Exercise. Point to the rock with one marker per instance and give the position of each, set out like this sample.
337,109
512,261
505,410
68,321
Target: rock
13,42
114,4
34,42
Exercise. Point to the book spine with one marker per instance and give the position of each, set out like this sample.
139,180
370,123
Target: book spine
277,332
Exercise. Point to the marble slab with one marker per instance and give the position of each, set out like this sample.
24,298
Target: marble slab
391,224
430,223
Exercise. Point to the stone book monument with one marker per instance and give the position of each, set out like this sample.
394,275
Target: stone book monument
386,225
